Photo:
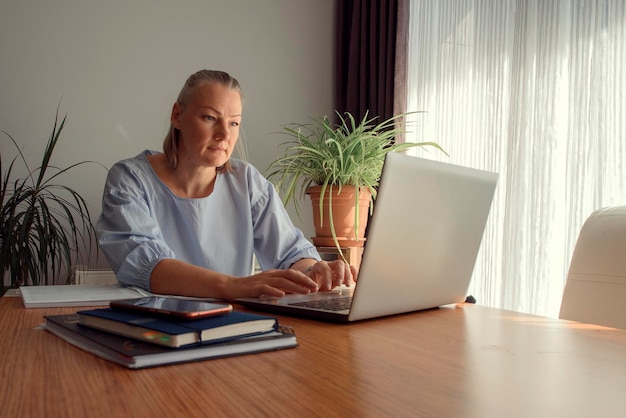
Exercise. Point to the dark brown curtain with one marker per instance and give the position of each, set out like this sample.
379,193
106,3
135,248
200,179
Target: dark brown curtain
367,73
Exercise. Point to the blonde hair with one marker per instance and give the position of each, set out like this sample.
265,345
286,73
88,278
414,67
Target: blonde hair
170,143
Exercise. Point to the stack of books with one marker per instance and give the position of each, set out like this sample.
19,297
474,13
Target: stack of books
138,340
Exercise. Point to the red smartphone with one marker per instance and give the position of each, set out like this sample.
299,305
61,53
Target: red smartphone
174,308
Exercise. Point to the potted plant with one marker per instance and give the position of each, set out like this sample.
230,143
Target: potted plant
326,161
44,224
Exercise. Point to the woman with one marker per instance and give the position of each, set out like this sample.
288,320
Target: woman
189,220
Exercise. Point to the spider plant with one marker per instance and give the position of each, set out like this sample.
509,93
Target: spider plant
44,224
332,155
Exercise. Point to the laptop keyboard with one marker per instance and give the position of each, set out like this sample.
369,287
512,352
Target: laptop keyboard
334,304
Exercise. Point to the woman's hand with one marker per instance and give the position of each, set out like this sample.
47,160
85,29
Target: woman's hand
322,276
270,283
330,274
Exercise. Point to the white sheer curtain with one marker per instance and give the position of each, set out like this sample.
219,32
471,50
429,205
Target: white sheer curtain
533,90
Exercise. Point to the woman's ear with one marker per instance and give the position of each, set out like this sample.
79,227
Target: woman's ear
175,117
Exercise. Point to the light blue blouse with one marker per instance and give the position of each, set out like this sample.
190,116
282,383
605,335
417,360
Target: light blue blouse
143,222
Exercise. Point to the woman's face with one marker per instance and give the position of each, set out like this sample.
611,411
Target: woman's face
209,125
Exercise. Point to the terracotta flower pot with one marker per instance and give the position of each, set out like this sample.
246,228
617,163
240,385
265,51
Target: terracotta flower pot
344,209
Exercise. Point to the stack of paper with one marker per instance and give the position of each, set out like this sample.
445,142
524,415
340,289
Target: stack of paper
75,295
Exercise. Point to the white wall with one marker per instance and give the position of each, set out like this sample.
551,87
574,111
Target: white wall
116,67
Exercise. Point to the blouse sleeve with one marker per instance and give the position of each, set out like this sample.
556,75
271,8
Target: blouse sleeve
277,242
128,234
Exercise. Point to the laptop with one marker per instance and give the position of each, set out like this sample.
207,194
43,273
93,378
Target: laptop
422,244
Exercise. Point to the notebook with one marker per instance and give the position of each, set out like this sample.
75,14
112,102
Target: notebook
422,244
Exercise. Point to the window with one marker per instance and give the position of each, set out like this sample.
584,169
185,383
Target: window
533,90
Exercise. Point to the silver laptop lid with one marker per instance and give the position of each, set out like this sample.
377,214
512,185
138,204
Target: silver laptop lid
424,236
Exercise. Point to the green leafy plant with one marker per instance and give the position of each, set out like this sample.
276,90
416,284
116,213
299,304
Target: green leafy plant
44,224
350,152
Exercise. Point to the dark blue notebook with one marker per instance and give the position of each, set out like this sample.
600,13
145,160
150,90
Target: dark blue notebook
174,333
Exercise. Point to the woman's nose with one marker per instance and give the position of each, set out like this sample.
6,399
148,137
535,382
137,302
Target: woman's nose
221,131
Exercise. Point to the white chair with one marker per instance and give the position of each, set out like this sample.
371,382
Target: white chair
595,291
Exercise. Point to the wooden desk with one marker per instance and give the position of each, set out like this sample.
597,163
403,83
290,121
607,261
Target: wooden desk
464,361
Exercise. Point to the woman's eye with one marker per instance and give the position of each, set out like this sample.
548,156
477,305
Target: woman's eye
234,124
208,117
